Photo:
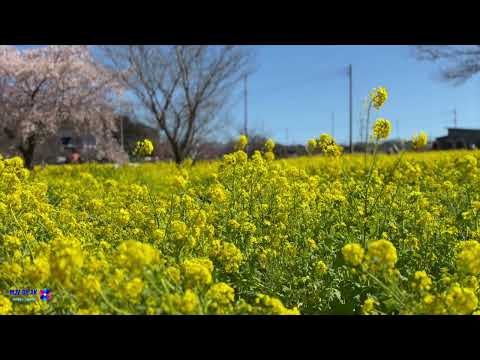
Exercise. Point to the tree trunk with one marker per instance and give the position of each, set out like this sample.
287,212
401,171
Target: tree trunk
179,157
177,153
28,152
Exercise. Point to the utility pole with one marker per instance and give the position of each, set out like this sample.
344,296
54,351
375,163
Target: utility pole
351,107
245,124
286,136
455,118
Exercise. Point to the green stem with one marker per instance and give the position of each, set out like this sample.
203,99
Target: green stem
367,185
122,312
386,288
152,203
391,175
24,234
366,130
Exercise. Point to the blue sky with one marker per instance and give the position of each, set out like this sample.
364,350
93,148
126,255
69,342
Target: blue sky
299,87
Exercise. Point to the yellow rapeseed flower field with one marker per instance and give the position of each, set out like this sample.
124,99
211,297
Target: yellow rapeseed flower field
245,236
323,234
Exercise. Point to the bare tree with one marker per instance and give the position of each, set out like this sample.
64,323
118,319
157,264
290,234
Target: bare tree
463,62
181,87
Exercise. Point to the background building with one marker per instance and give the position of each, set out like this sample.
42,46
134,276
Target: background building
458,139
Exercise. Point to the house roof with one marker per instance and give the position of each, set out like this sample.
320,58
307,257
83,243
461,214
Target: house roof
459,133
463,129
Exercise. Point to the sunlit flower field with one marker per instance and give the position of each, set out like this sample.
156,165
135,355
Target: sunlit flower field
313,235
323,234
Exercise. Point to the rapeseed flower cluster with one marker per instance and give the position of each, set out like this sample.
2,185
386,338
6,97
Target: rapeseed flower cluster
382,129
198,271
326,144
242,142
220,296
353,254
419,141
422,281
378,97
275,306
311,145
381,254
368,307
228,255
468,259
461,301
143,148
5,305
134,256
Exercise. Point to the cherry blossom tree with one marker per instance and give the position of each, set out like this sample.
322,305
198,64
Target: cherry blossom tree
45,88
